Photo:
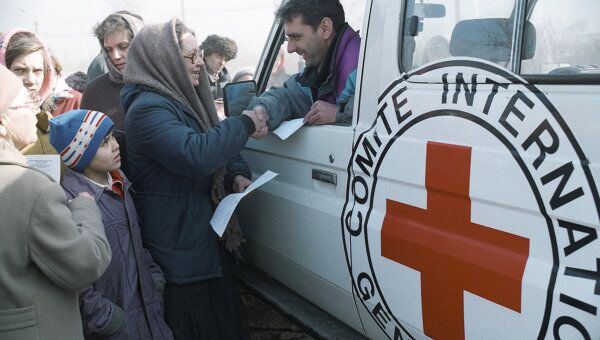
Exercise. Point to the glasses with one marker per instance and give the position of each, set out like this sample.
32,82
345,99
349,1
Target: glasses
195,56
32,103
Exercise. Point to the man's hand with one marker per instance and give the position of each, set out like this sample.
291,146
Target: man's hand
260,118
321,113
240,183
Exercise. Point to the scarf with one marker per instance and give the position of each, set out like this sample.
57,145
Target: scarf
135,25
155,60
50,74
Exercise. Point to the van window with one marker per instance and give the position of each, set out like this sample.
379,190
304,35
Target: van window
439,29
568,37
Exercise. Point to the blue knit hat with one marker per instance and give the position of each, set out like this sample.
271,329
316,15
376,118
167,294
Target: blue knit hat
77,135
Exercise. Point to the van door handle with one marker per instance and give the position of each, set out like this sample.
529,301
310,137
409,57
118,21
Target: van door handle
324,176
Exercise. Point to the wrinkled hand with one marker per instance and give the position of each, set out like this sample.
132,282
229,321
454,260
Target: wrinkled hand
85,194
260,118
321,113
240,183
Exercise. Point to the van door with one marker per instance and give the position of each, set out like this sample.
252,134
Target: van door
472,209
292,225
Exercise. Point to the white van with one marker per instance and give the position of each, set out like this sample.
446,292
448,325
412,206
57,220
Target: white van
461,203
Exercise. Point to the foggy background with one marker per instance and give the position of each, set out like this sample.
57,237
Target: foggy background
66,25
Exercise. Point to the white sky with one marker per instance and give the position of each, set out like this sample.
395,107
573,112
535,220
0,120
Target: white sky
66,25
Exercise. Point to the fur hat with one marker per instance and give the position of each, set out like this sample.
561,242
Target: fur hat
10,86
77,135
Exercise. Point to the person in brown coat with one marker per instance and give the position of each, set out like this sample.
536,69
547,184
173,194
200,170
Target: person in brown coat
50,248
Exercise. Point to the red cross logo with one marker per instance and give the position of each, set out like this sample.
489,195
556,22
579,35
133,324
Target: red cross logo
453,254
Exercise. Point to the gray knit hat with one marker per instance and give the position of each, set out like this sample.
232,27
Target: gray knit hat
10,86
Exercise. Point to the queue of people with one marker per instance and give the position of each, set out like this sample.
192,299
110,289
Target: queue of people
122,247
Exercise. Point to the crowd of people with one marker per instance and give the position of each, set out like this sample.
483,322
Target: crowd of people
122,247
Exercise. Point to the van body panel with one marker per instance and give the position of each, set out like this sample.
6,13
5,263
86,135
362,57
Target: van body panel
466,203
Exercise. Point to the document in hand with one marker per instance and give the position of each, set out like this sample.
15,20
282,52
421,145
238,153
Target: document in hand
288,128
229,203
50,164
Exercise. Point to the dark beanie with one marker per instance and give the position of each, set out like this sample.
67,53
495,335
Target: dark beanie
10,86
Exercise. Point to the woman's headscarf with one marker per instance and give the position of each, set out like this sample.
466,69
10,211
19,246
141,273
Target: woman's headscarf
49,75
135,25
155,60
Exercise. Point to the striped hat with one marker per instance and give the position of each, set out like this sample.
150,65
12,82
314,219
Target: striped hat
77,135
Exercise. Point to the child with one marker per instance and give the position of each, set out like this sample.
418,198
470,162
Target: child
126,302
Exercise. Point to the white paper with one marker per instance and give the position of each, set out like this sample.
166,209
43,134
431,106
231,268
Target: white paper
288,128
229,203
49,164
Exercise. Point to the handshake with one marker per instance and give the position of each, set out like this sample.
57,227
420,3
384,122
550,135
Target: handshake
260,119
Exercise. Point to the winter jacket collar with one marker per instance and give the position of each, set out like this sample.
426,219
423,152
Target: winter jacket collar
74,178
324,82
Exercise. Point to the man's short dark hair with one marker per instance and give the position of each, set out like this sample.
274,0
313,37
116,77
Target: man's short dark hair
313,12
219,45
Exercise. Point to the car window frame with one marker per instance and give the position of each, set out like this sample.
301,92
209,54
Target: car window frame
516,49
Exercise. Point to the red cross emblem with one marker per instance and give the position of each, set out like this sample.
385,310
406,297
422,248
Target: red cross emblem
453,254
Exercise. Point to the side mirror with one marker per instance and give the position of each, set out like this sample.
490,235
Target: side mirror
237,96
490,39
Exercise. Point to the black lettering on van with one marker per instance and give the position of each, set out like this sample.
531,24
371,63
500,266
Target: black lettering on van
397,334
365,163
567,320
354,231
587,274
363,183
445,93
367,291
381,316
512,108
490,98
536,137
384,119
397,106
564,172
469,93
575,245
573,302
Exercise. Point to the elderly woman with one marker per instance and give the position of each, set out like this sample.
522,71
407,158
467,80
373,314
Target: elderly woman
50,248
26,55
180,155
102,94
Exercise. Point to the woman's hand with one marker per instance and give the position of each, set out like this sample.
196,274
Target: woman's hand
240,183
